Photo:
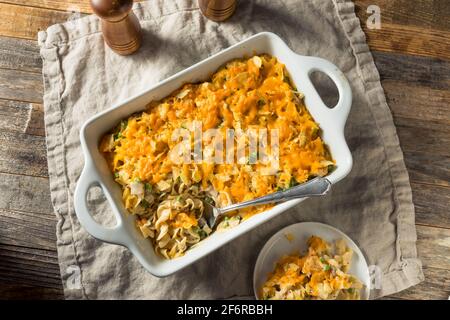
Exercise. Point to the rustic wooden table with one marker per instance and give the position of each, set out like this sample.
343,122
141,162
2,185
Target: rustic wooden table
412,53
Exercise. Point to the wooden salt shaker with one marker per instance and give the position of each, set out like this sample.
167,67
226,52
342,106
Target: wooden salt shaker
217,10
120,26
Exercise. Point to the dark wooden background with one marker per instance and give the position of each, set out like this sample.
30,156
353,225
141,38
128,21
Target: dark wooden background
412,53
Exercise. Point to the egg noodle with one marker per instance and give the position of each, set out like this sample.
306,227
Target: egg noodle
321,274
247,98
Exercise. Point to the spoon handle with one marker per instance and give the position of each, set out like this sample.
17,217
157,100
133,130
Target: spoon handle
315,187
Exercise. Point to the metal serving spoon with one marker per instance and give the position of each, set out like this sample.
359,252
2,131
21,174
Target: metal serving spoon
315,187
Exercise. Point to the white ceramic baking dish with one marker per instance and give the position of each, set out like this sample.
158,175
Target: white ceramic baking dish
96,172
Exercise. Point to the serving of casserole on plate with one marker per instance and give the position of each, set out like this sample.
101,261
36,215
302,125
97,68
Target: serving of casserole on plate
311,261
258,86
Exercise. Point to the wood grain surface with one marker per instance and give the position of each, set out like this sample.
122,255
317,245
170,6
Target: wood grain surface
411,51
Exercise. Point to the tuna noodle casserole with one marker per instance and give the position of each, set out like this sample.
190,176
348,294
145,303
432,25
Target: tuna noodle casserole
252,96
321,274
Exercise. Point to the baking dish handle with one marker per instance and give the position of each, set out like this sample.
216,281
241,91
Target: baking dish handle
87,180
340,112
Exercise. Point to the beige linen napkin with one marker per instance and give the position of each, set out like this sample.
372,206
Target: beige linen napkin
83,77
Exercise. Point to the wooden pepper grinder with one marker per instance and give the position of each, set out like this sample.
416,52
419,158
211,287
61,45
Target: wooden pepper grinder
217,10
120,26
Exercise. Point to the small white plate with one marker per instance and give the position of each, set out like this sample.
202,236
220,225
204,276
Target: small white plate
294,238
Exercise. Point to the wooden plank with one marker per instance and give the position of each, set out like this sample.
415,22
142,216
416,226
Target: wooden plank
418,93
407,100
23,75
22,141
429,14
82,6
435,287
25,22
415,71
63,5
429,169
409,27
22,153
21,275
26,274
433,247
38,261
22,117
40,257
410,40
35,268
423,136
35,124
21,80
27,229
25,193
431,203
427,158
20,54
27,240
9,290
21,86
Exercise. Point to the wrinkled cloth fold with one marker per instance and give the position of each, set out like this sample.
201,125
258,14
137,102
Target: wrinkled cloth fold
82,77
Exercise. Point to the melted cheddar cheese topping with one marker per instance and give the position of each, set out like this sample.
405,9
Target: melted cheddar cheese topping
253,93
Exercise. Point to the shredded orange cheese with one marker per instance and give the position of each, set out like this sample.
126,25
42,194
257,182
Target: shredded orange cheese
253,93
